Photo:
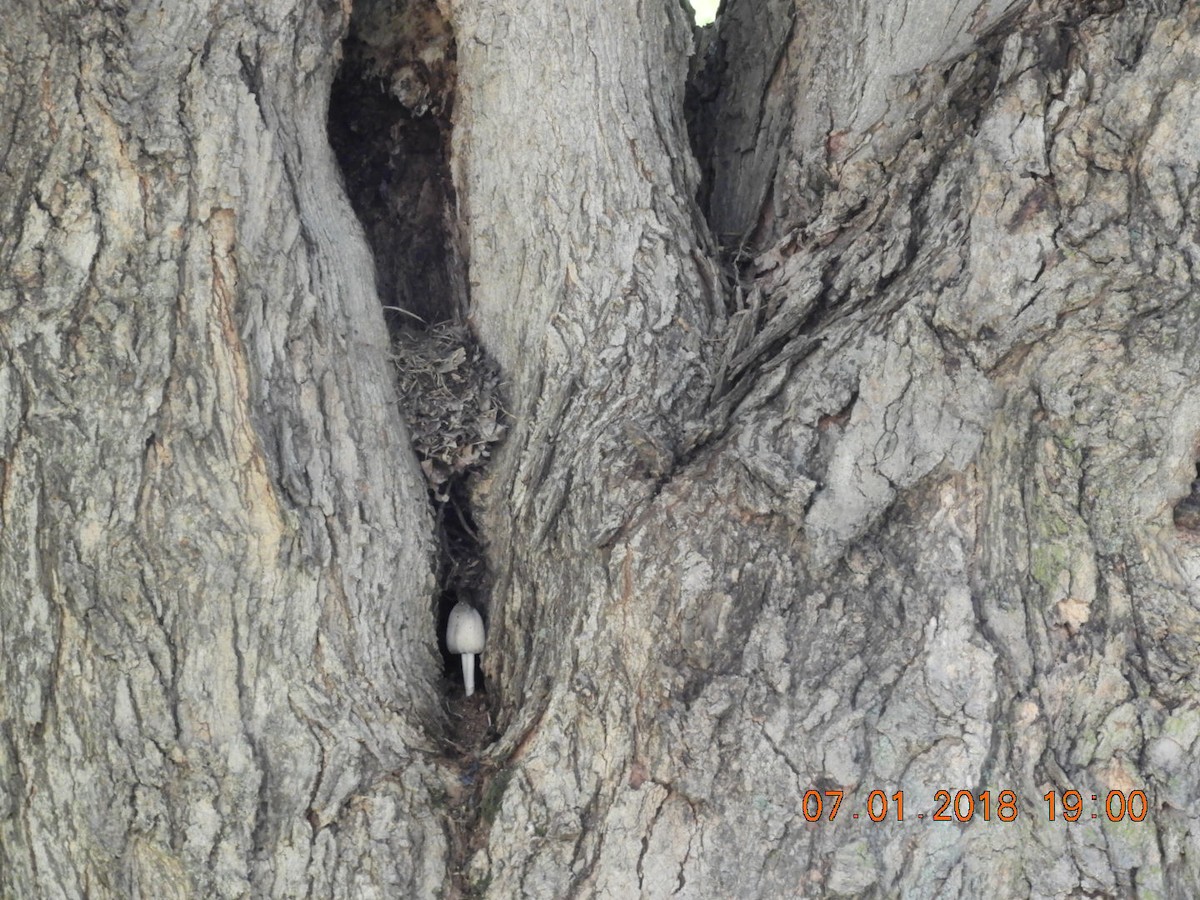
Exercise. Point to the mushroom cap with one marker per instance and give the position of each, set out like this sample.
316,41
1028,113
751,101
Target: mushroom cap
464,630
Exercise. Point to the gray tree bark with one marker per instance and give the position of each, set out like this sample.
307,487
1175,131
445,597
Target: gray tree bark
215,564
851,452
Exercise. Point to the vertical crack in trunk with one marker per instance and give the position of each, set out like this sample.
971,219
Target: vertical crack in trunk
389,125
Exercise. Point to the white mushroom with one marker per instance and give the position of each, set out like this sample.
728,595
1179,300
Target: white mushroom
464,634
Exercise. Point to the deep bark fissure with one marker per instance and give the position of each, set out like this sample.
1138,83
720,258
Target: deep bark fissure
706,68
389,125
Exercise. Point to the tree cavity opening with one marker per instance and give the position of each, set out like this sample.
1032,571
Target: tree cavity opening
390,127
1187,510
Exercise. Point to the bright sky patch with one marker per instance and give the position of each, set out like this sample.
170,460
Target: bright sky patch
706,10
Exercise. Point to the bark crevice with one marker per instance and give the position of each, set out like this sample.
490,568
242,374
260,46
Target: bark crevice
389,125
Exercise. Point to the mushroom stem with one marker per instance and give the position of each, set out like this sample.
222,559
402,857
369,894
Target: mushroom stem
468,663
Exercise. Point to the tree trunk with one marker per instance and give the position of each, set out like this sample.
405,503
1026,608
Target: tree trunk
850,452
216,562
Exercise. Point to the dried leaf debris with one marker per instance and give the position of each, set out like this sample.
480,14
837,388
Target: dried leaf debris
450,395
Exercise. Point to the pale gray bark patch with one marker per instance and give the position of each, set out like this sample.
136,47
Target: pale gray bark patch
584,271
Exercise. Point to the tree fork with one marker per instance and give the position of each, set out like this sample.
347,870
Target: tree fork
932,535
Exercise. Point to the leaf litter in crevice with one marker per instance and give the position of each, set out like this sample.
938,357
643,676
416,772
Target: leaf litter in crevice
450,395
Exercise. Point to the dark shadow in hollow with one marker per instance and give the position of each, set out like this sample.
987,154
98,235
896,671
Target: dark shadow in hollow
1187,510
463,576
389,126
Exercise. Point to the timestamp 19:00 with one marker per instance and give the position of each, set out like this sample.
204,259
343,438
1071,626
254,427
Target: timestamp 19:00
964,806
